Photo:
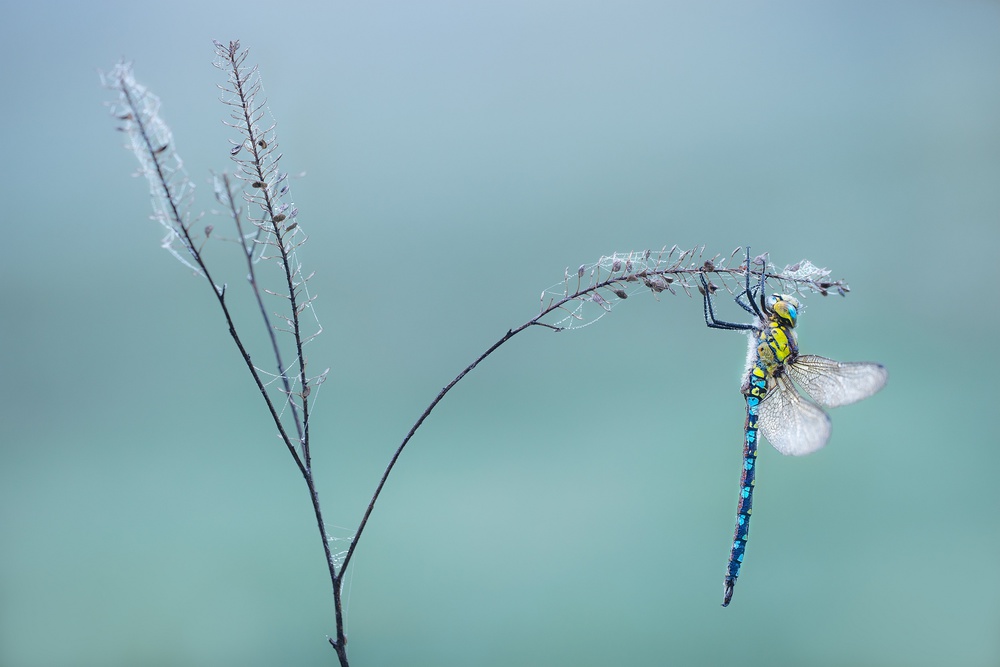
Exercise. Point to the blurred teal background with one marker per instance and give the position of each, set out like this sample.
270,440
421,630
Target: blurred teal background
572,501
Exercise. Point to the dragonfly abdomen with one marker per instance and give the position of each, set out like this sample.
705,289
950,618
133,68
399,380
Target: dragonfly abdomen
755,392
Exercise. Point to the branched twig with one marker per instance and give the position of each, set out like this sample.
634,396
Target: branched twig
583,296
151,142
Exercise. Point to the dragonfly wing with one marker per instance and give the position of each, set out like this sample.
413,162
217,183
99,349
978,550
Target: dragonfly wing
832,383
792,424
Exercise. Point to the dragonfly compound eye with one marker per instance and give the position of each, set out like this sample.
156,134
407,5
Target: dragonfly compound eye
785,307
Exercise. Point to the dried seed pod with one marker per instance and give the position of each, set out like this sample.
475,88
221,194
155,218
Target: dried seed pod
656,283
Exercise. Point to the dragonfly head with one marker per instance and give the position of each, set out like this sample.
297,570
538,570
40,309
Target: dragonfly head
784,307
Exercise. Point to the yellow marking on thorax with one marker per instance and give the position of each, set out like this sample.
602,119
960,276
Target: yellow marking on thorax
776,343
772,347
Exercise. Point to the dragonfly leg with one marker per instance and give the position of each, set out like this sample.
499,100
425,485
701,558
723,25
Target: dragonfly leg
760,285
750,305
710,319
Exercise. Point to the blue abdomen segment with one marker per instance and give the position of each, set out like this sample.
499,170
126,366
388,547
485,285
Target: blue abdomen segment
745,504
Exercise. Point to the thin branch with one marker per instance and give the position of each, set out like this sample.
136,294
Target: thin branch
246,84
236,215
399,450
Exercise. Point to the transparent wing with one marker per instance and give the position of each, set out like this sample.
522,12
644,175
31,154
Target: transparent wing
792,424
831,383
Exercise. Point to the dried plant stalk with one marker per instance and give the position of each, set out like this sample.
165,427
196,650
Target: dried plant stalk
256,198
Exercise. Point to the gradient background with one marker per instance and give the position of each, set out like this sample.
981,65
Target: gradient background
572,501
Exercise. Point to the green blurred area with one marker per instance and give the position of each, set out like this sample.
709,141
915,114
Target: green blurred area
572,501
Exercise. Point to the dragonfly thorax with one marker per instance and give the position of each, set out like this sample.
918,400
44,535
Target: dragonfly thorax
777,344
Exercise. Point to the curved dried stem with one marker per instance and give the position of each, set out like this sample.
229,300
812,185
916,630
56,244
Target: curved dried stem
611,279
593,290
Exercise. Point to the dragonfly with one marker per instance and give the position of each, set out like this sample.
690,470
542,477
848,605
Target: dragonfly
794,424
